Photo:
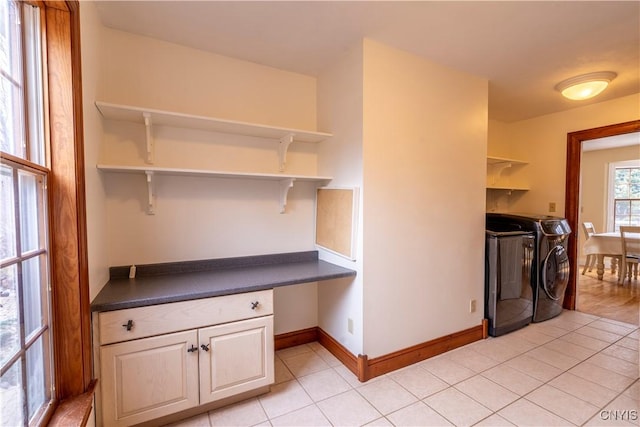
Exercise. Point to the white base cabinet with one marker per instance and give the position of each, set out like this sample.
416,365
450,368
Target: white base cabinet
148,378
145,378
239,358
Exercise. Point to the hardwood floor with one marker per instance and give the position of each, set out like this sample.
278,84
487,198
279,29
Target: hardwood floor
606,298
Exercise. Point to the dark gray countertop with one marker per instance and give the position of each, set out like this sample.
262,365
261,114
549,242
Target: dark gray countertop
182,281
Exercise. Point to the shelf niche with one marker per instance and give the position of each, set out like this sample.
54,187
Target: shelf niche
498,178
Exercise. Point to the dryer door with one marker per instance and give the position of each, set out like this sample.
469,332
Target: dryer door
555,273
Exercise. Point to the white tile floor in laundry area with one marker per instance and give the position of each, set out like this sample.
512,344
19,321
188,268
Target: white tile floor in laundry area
576,369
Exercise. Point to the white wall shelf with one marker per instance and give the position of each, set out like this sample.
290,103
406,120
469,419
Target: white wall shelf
495,168
507,188
151,117
496,160
286,181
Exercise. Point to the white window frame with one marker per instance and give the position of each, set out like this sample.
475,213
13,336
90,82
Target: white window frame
610,214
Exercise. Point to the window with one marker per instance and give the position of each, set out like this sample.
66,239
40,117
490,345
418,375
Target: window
26,351
624,194
627,197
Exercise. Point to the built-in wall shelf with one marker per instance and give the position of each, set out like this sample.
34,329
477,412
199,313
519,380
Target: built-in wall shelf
506,188
285,181
151,117
499,160
497,179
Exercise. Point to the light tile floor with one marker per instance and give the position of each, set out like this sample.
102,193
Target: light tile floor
576,369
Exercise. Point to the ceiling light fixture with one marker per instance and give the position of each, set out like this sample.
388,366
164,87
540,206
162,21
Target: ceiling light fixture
585,86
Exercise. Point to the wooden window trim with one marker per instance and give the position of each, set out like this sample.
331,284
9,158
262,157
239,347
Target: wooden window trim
73,398
74,411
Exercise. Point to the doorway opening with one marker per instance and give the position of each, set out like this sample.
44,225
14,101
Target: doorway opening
586,292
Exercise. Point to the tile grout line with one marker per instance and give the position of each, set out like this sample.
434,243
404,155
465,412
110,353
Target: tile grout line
475,374
601,407
314,402
545,382
546,410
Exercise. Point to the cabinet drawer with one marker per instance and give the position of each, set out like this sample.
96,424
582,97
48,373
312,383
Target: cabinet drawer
178,316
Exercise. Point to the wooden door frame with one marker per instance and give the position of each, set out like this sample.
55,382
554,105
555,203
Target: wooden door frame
572,192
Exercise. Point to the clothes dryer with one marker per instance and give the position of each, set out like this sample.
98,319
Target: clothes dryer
508,291
550,266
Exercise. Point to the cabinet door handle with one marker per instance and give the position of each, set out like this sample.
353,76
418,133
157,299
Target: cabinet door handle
192,348
128,325
255,305
205,347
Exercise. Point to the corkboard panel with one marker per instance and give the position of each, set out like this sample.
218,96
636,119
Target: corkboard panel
335,219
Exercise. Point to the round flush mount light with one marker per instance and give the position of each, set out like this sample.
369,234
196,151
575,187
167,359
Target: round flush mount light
585,86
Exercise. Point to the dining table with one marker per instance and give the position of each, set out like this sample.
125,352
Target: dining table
606,244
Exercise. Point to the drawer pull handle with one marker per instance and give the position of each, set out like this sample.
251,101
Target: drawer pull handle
192,349
128,325
205,347
255,305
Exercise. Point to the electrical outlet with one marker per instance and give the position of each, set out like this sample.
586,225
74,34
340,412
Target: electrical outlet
350,326
552,206
472,306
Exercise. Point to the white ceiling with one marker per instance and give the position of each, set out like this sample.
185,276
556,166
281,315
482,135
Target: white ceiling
523,48
616,141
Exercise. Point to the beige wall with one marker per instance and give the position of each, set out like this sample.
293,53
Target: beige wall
425,143
543,142
91,35
400,124
166,76
340,112
499,139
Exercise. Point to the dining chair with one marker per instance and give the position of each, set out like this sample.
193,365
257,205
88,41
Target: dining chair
589,230
630,253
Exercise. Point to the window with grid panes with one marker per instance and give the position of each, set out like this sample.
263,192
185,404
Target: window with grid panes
26,355
626,203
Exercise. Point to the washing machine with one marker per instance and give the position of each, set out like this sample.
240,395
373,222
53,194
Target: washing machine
550,266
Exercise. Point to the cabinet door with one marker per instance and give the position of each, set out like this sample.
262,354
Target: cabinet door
238,358
148,378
